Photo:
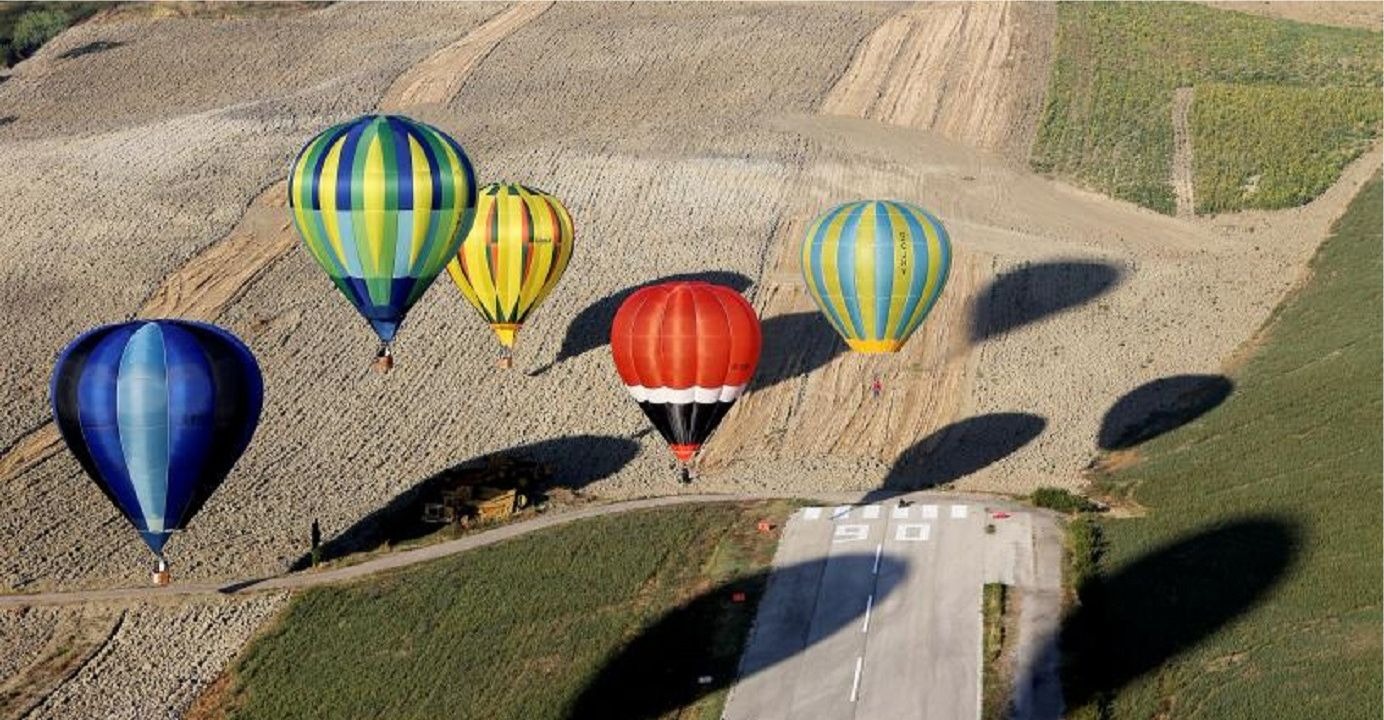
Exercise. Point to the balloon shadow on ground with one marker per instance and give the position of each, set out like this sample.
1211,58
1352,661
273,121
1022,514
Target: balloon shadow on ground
794,345
575,461
91,48
1160,406
1035,291
658,671
1134,620
962,448
590,329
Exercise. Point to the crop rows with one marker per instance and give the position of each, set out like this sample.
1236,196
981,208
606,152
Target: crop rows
1107,123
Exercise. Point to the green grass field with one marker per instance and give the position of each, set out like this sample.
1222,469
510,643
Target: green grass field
620,612
1278,106
1251,589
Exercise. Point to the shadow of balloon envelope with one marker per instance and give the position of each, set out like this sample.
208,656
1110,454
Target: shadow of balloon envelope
1136,618
1160,406
1034,291
962,448
662,669
576,461
795,345
590,329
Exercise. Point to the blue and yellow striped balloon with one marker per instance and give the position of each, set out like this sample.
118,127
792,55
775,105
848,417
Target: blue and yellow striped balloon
876,268
382,203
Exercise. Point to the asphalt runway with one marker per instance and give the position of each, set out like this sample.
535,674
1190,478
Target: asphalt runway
874,612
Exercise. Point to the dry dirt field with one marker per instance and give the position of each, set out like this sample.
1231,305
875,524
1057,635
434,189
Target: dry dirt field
144,179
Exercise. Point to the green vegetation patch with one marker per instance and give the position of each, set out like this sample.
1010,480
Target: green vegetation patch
627,611
1273,146
26,26
1063,501
1108,119
996,685
1252,587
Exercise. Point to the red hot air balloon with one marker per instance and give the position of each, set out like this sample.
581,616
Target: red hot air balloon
685,351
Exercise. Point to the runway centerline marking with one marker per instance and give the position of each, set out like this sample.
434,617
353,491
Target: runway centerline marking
878,550
869,605
958,512
855,684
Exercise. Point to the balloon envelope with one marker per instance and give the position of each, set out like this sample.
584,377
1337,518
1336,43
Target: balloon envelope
514,255
382,202
157,412
685,351
876,268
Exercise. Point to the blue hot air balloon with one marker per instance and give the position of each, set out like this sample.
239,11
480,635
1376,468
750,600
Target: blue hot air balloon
157,412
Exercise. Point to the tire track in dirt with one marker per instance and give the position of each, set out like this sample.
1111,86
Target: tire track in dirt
1182,153
219,275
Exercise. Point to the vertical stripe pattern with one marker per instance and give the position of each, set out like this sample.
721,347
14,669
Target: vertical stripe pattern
876,268
382,202
685,351
157,413
514,255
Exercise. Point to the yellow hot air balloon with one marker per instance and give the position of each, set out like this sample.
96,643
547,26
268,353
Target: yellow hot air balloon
513,256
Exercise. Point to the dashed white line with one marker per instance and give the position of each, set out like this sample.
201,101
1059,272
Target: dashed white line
812,513
958,512
869,605
855,684
878,550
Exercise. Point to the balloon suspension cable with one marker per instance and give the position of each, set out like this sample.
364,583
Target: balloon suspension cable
384,359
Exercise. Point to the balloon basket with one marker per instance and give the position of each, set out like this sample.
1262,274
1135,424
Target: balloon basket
384,361
161,577
505,362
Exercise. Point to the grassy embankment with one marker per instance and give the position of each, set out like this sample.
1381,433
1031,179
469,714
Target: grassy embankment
996,684
625,612
26,26
1279,107
1251,588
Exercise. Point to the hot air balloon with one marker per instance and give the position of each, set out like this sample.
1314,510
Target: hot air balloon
514,255
876,268
685,351
382,202
157,412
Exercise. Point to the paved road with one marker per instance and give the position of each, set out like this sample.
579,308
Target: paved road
874,611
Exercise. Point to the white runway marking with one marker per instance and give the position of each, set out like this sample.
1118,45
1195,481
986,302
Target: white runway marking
812,513
900,513
871,512
878,550
869,605
929,512
841,512
958,512
855,684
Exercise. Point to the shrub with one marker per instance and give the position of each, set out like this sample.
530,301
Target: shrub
34,28
1061,500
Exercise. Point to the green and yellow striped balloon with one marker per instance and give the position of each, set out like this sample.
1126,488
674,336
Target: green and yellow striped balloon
382,203
876,268
514,255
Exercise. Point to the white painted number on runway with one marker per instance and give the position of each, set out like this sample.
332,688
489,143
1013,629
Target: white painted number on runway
851,533
912,532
